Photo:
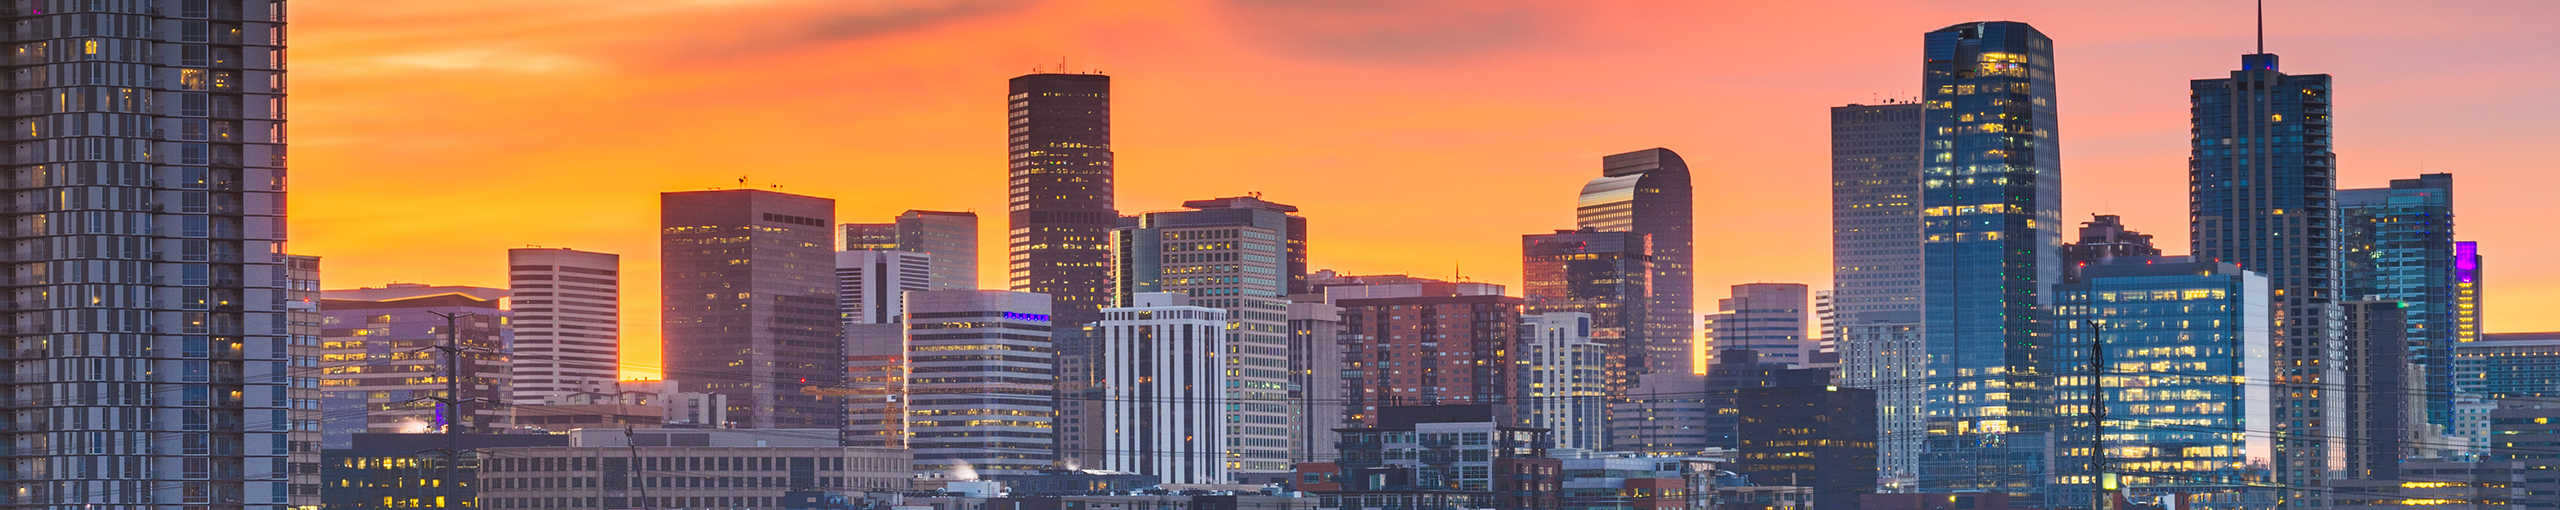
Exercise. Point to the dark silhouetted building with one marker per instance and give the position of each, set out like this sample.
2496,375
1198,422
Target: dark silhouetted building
1822,437
1991,201
2383,416
386,471
750,303
2103,238
1647,192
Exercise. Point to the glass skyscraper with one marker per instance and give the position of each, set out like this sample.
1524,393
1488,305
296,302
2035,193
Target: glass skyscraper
1600,273
1647,192
749,305
2179,360
2263,186
2400,248
1990,197
148,349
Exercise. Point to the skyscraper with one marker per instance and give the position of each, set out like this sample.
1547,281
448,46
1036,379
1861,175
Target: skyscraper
750,303
1991,203
1062,212
1766,318
1875,272
2467,282
2173,352
871,286
148,209
1601,273
2103,238
1875,208
302,324
1823,437
375,377
950,237
1315,376
2400,248
2264,185
1647,192
1242,255
982,398
567,312
1164,407
1428,343
2382,414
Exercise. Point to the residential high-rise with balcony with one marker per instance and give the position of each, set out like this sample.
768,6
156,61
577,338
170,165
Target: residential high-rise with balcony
147,217
1991,209
567,315
1243,255
2263,195
750,303
1647,192
1564,382
2400,247
951,237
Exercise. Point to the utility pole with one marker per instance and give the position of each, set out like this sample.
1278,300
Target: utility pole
452,400
2098,408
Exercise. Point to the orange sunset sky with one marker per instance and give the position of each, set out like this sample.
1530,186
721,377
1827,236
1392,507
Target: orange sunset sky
1416,137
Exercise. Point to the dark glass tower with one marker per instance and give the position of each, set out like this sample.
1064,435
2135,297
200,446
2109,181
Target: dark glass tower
2264,183
1062,212
147,343
1601,273
750,303
1647,192
1991,198
2400,248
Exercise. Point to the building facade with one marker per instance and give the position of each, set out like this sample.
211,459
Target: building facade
1886,357
2384,417
379,370
980,388
1443,456
875,385
1316,367
1875,207
567,315
378,471
2102,239
683,468
2162,363
1991,209
1818,437
1647,192
1766,318
1564,382
871,286
1427,343
147,224
1243,255
1164,390
951,237
302,329
750,303
1605,275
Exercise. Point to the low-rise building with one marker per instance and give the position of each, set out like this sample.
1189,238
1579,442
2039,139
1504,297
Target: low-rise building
677,468
1451,456
384,471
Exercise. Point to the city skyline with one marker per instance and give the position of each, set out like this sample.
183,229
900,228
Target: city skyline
934,130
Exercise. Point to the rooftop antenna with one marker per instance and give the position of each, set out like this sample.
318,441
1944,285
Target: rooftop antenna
2262,27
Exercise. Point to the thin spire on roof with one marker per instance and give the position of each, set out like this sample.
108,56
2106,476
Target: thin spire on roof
2262,26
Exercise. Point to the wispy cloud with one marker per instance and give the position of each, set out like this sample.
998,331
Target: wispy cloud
460,59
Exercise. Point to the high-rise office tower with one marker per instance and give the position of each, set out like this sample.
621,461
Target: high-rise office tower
375,377
2204,427
1875,208
1991,205
567,313
2383,414
1875,272
871,286
1060,221
950,237
750,303
1647,192
1164,395
1315,376
146,219
1564,379
302,324
1427,342
2103,238
2467,305
2399,247
2263,195
1239,254
1766,318
1601,273
875,384
985,408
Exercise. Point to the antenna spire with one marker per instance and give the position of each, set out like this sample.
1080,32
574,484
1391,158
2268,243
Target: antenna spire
2262,27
